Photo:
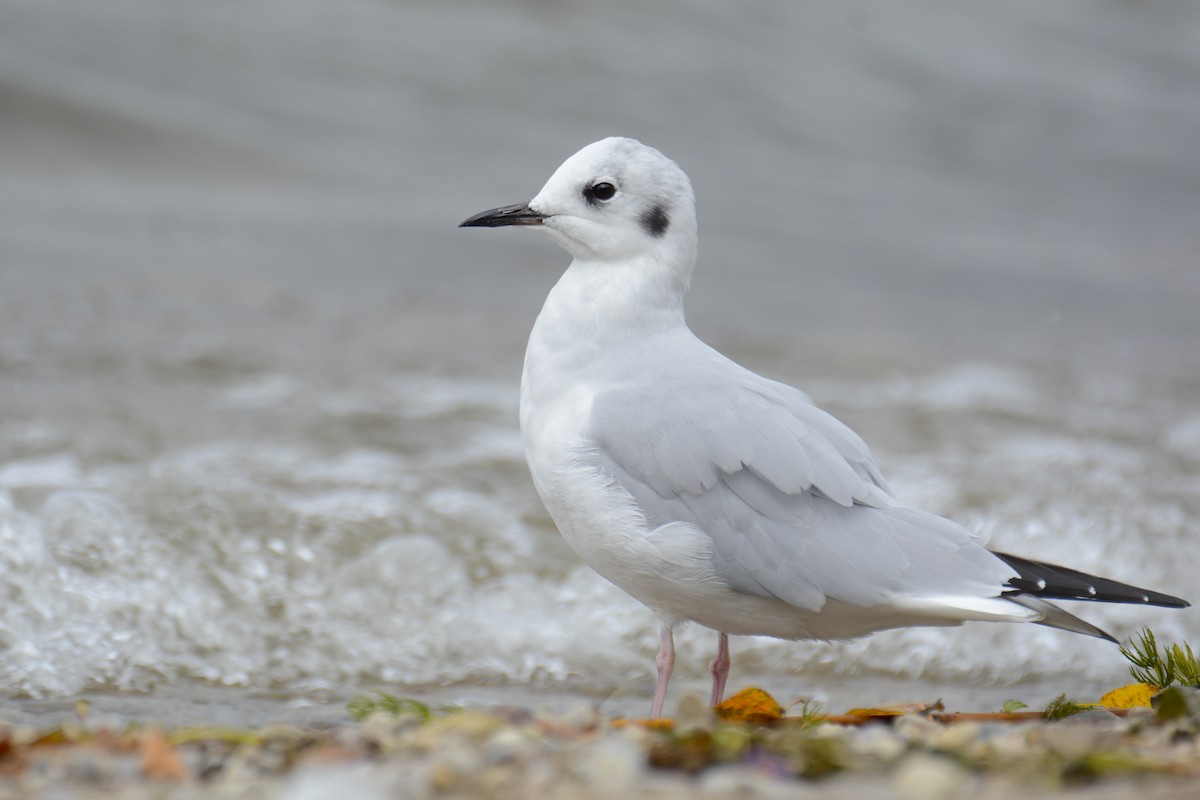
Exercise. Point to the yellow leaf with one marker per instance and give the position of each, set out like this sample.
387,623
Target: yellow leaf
1131,696
750,705
891,711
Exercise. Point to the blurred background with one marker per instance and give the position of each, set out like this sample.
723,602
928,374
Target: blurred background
258,394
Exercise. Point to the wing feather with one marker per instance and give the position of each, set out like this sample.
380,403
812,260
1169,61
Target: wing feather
791,497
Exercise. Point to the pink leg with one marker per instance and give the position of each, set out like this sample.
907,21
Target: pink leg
720,668
665,663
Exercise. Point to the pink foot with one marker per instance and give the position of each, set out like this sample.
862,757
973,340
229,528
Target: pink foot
665,661
720,668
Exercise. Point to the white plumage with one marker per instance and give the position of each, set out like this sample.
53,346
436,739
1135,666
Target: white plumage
708,492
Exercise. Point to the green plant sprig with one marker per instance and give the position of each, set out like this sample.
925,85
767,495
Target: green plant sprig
362,707
1061,707
1175,663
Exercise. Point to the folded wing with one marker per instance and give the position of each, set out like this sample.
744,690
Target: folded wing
792,498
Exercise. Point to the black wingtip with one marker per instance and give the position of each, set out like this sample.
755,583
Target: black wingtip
1053,582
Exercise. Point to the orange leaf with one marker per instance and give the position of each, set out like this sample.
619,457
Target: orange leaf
750,705
650,724
160,759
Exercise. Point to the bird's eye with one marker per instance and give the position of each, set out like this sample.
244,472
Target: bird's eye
600,191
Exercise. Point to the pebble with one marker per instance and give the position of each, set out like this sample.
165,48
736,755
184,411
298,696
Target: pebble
351,782
928,777
1072,741
693,713
452,765
877,746
743,782
508,745
579,755
954,738
915,728
612,765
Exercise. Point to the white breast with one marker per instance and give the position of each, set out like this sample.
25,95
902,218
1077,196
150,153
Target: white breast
662,568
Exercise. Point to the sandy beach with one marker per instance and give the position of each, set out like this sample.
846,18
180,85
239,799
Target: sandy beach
404,748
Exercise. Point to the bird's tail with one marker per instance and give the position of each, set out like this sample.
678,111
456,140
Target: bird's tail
1055,617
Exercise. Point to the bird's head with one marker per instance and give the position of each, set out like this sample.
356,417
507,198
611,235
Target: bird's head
616,199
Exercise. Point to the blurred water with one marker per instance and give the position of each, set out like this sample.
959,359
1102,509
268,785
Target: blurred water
258,395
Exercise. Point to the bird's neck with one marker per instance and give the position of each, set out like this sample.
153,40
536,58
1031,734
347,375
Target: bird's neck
599,313
605,302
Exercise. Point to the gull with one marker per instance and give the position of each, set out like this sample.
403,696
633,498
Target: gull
710,493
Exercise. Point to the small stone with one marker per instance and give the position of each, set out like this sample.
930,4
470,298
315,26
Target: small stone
743,782
249,763
508,745
90,768
835,732
463,726
692,714
732,741
542,777
1071,741
512,715
957,737
580,718
452,765
1011,745
927,777
358,781
383,728
915,729
443,778
24,735
1139,715
877,745
612,765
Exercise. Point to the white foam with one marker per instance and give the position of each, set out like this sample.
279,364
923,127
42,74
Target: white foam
59,469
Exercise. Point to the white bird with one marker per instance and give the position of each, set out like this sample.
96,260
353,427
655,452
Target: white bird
706,491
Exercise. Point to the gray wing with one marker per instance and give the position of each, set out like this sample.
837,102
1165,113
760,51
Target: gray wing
791,497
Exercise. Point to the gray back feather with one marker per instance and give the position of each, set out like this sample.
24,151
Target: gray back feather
792,498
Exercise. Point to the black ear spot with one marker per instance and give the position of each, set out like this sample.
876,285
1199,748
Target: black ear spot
656,221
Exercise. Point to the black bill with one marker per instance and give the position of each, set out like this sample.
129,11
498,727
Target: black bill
519,214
